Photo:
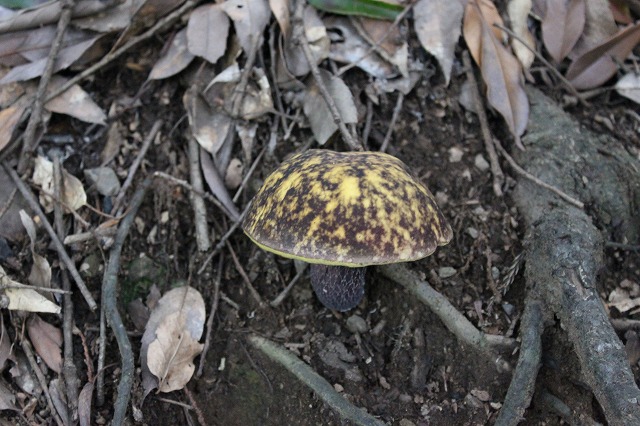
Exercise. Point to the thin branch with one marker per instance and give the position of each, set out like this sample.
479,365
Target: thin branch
496,171
197,202
29,142
313,380
212,313
532,178
300,36
110,307
283,294
33,205
392,123
245,278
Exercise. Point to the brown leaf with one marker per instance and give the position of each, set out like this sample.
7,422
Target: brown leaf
280,9
5,345
73,194
209,126
562,26
74,102
599,64
215,182
7,398
599,26
171,354
249,17
518,14
207,32
47,341
629,87
176,58
185,304
84,404
66,57
10,117
437,24
500,70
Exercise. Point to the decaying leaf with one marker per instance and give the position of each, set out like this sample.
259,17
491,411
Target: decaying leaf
207,32
84,404
40,275
599,26
73,195
114,19
215,182
250,17
22,298
518,14
437,24
500,70
175,59
387,39
66,57
317,111
10,118
599,64
208,125
5,345
629,87
348,46
7,398
47,341
280,9
170,340
562,26
74,102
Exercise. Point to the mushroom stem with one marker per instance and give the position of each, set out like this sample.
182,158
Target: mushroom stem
338,287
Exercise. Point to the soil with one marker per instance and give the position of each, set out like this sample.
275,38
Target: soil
374,354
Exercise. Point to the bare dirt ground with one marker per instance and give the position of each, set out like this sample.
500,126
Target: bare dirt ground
391,355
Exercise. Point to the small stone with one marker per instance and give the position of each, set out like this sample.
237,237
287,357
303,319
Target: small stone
480,163
455,154
508,308
482,395
357,324
446,272
495,272
105,180
472,232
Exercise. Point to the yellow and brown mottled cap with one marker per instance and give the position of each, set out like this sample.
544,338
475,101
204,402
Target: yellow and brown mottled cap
351,209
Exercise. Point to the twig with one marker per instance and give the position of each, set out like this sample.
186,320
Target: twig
245,278
26,348
29,142
241,87
532,178
69,370
252,169
392,124
280,298
564,411
159,26
33,205
212,313
313,380
223,239
15,284
496,171
197,202
523,381
300,36
551,68
367,123
134,166
457,323
109,305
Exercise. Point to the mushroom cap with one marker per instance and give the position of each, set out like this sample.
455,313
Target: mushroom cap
346,208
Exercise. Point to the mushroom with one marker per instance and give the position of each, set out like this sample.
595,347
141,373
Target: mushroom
341,212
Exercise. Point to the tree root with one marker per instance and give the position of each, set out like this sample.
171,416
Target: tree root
313,380
457,323
564,251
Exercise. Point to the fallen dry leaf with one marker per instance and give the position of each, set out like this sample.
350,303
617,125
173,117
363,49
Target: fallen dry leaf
171,354
599,64
185,306
10,118
5,345
215,182
176,58
249,19
74,102
629,87
40,275
73,195
209,126
599,26
47,341
562,26
437,24
7,398
84,404
111,20
280,9
22,298
317,111
518,14
10,225
386,35
207,32
500,70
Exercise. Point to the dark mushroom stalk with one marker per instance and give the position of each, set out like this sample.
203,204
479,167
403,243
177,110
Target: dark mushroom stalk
340,288
342,212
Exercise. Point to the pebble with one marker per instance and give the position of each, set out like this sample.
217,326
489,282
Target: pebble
472,232
480,163
357,324
446,272
455,154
